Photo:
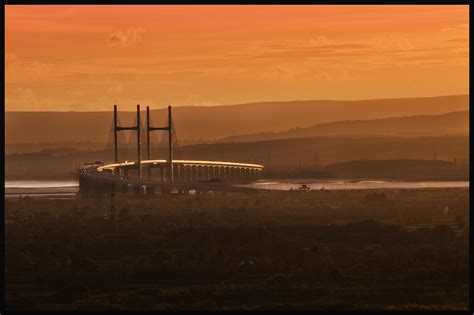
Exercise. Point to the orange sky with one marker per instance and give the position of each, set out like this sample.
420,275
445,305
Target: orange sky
90,57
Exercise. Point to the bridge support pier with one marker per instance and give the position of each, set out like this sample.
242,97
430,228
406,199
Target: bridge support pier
136,190
162,174
99,188
165,191
184,173
83,187
177,174
150,190
123,189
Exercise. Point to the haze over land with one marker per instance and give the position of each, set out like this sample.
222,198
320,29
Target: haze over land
305,155
197,123
290,138
420,125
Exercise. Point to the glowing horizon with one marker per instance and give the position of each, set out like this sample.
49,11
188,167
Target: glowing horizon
87,58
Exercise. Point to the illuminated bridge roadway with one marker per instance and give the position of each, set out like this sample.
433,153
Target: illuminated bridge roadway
200,176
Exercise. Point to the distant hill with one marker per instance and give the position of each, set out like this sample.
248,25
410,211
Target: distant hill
413,126
216,122
301,155
328,150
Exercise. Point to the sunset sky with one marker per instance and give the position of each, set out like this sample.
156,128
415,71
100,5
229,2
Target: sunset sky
91,57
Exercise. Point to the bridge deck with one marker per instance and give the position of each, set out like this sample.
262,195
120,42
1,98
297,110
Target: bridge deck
176,185
182,163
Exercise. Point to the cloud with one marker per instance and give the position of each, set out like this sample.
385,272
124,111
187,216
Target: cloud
10,57
22,98
124,38
458,40
320,41
392,42
278,73
19,70
455,28
114,90
194,99
75,93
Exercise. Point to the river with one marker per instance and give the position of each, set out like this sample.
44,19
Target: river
316,184
41,188
68,188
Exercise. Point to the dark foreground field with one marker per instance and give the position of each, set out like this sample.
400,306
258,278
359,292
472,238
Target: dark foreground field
406,249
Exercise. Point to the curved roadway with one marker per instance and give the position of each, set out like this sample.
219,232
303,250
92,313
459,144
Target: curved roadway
97,174
113,166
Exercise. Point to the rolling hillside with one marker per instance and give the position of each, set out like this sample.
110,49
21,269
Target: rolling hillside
411,126
216,122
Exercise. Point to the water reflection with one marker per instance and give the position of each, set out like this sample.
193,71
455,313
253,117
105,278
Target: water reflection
40,183
351,184
70,187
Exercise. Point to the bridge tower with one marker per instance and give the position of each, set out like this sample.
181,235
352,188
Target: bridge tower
133,128
170,145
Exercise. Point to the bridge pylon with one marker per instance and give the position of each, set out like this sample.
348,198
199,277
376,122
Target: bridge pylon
133,128
170,145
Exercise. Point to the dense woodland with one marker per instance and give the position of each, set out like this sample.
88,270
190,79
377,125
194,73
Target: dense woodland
390,249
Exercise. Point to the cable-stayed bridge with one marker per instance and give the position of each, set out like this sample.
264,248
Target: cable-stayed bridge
151,171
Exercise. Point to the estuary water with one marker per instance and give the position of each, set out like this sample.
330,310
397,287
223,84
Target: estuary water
316,184
41,188
67,188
